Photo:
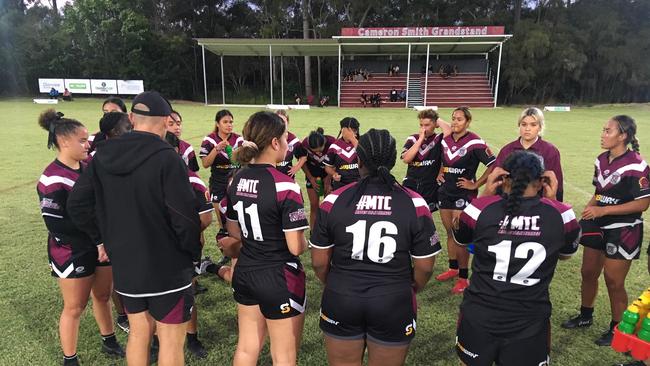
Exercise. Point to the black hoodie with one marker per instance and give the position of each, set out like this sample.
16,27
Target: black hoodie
135,198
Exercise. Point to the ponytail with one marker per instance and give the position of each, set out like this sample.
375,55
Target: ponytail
54,123
524,167
260,129
317,139
627,125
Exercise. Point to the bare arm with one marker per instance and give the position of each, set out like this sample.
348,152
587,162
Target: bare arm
422,270
320,261
296,241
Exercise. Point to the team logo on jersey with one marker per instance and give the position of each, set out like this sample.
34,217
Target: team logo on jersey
434,239
410,328
247,187
460,203
462,151
453,148
285,308
374,205
49,203
297,215
606,172
615,178
611,248
644,183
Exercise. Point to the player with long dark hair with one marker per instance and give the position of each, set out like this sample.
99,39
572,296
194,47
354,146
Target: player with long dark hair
518,239
80,265
342,164
373,246
294,146
185,149
265,211
612,226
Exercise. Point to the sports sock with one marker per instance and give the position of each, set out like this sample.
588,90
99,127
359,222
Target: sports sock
463,273
586,313
453,264
70,360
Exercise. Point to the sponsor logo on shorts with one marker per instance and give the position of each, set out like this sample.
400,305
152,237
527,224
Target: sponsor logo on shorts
283,163
460,203
80,269
410,328
465,350
611,248
285,308
325,318
546,362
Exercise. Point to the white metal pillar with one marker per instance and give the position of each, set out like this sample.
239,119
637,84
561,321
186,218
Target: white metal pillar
281,79
271,70
205,82
223,84
496,88
339,75
426,76
408,77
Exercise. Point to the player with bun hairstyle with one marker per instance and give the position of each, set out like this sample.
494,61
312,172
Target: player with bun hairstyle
462,151
518,239
315,147
612,226
294,149
342,164
265,211
373,246
531,128
80,265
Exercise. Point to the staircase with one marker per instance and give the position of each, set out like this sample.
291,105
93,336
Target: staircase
415,91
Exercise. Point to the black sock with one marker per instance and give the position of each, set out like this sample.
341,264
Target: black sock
612,325
586,313
109,339
463,273
70,360
453,264
192,337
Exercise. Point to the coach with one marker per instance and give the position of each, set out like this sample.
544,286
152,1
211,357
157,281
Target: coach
136,199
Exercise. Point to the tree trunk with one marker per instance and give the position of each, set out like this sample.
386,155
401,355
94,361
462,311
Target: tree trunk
305,34
517,11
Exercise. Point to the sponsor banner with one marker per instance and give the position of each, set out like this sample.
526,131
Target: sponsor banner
424,31
45,85
101,86
557,108
77,86
130,87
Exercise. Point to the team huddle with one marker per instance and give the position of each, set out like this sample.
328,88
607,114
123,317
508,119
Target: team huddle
125,212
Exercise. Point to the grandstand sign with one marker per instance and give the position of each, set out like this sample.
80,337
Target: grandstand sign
423,31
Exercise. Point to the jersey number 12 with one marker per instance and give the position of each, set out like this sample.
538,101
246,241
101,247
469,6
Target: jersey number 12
502,252
381,249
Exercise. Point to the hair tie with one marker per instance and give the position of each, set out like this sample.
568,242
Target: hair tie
59,115
250,144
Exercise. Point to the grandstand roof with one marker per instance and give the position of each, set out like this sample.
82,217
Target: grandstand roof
357,45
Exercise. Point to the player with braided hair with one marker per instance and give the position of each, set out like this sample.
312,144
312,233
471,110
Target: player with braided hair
518,237
373,246
612,226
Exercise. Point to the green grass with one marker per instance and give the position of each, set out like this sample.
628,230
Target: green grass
30,303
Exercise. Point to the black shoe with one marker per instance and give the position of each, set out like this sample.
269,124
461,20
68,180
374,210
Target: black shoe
605,339
196,348
113,349
198,289
577,322
71,362
123,323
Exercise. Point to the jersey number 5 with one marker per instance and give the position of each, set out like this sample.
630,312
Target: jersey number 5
255,220
502,252
381,249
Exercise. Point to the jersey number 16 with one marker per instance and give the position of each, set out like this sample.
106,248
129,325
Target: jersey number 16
381,249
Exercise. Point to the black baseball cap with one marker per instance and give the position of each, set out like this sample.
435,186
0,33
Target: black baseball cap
158,106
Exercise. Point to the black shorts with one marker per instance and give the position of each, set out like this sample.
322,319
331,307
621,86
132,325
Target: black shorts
384,319
617,243
308,184
172,308
477,347
68,262
217,192
279,291
455,202
428,191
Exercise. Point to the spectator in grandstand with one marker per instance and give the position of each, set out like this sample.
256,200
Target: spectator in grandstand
402,95
67,95
376,100
364,99
152,248
396,70
391,70
394,95
456,70
78,261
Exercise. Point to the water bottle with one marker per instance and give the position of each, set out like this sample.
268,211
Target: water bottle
644,333
630,318
229,151
320,189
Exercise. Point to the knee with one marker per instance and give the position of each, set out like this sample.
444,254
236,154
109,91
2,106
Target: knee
73,309
101,296
614,283
589,273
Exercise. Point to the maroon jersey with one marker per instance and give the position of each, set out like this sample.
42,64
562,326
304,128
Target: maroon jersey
549,153
186,151
222,165
460,159
203,202
426,163
266,203
294,145
374,238
343,158
623,180
514,260
316,161
53,189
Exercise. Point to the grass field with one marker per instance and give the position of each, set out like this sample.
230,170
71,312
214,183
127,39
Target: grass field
30,303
